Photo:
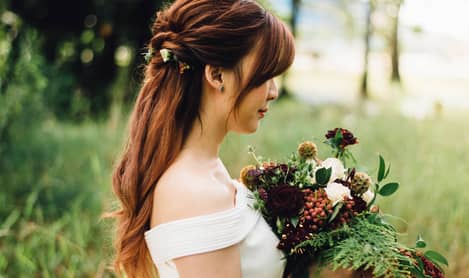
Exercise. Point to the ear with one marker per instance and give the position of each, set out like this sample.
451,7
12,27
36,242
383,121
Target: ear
214,76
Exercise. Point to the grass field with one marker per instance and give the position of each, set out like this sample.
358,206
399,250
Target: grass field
430,158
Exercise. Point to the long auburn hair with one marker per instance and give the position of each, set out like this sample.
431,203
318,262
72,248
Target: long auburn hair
199,32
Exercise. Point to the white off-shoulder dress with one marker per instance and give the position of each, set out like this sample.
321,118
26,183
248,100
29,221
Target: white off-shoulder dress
242,224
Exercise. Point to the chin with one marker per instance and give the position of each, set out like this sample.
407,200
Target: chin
253,128
248,129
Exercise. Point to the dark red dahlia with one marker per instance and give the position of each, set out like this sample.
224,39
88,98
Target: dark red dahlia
284,200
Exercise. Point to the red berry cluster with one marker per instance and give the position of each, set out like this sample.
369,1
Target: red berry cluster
345,214
317,209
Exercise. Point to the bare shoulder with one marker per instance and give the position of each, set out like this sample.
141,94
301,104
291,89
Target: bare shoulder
184,192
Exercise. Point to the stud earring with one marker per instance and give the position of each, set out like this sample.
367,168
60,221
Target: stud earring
222,88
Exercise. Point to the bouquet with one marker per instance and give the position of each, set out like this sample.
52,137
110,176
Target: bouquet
325,214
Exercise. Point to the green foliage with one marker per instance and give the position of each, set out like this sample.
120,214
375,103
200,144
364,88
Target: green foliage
362,245
22,110
323,175
54,230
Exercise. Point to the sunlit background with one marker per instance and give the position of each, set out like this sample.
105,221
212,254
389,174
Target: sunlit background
394,72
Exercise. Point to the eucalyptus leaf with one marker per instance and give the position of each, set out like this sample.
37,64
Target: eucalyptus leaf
435,257
381,169
336,211
387,171
388,189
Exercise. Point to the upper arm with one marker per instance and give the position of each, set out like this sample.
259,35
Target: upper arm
223,262
184,197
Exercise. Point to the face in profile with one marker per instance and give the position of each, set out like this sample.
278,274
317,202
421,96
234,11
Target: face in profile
253,108
255,104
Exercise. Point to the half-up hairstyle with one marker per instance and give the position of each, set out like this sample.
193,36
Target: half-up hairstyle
199,32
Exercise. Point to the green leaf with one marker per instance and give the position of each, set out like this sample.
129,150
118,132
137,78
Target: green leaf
279,225
387,171
323,175
388,189
420,264
336,211
338,135
381,169
420,243
294,221
436,257
417,272
11,219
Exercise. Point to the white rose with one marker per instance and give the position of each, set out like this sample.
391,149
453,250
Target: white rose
338,169
368,196
336,192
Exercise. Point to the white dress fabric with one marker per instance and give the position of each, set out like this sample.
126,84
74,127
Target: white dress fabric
259,255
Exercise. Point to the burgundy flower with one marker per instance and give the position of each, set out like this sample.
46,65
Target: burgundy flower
346,140
285,200
263,194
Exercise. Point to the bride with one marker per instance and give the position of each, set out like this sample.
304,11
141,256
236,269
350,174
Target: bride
210,71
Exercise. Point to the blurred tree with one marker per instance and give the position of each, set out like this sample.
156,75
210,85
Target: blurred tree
367,37
81,39
394,42
295,6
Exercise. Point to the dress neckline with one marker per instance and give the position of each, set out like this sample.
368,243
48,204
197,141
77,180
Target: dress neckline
239,201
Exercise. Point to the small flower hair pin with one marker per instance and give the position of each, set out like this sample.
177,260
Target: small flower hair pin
168,56
148,55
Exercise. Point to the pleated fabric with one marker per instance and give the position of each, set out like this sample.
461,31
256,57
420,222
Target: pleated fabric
242,224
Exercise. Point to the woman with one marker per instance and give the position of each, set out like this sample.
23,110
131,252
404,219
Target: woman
210,71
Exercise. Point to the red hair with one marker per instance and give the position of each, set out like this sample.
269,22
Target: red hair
199,32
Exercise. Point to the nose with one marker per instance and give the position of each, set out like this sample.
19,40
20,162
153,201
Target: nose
273,92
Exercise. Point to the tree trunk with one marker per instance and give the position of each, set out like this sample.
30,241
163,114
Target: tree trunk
395,74
295,8
364,94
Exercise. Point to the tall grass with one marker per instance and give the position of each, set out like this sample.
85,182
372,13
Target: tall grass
57,231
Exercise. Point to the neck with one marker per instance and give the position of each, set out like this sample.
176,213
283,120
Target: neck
204,140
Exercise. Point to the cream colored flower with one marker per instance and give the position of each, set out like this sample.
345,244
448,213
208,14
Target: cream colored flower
336,192
338,170
368,196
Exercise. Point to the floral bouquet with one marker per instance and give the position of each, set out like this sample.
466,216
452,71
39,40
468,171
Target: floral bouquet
325,214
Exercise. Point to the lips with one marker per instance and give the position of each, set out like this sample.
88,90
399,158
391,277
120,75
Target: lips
262,112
